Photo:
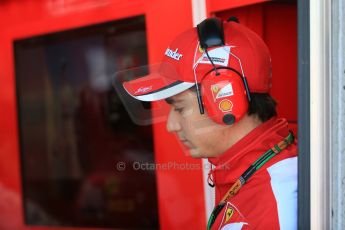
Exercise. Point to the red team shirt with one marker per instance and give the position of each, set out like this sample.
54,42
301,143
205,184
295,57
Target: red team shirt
269,198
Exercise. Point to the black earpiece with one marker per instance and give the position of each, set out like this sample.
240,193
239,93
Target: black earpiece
211,33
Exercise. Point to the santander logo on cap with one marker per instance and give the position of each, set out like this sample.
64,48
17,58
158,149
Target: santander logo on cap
173,54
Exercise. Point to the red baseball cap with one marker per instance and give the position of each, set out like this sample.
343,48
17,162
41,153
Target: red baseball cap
184,64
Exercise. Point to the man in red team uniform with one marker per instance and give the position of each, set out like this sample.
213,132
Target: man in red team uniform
217,78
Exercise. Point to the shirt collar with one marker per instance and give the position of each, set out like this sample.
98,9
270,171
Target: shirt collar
231,164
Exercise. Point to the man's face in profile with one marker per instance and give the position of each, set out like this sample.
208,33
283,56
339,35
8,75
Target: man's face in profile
198,133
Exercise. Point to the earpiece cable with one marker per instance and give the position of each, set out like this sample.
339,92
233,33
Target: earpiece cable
214,66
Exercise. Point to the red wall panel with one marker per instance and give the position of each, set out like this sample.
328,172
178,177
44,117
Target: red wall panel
180,192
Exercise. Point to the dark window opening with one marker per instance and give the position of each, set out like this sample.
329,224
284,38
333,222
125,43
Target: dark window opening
74,129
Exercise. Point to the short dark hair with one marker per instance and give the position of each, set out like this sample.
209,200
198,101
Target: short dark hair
261,104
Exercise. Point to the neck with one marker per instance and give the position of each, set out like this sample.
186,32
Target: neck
240,129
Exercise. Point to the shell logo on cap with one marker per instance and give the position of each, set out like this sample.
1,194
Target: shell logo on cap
225,105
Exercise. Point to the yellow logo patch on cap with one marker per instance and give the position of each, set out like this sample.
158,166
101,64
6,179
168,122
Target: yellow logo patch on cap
215,89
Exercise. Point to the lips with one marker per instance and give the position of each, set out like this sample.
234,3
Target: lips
183,140
186,143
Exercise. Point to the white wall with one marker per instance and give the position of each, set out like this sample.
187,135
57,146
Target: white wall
338,114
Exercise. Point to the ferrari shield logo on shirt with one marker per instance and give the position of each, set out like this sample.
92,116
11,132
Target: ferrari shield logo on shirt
228,214
231,217
221,90
219,56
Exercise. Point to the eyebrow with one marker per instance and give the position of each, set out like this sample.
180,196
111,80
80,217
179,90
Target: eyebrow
171,101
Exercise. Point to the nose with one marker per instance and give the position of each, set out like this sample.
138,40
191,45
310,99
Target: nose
173,124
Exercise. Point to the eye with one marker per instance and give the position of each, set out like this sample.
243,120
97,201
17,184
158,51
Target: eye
179,110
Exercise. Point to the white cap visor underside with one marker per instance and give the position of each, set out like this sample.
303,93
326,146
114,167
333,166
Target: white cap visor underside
164,93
